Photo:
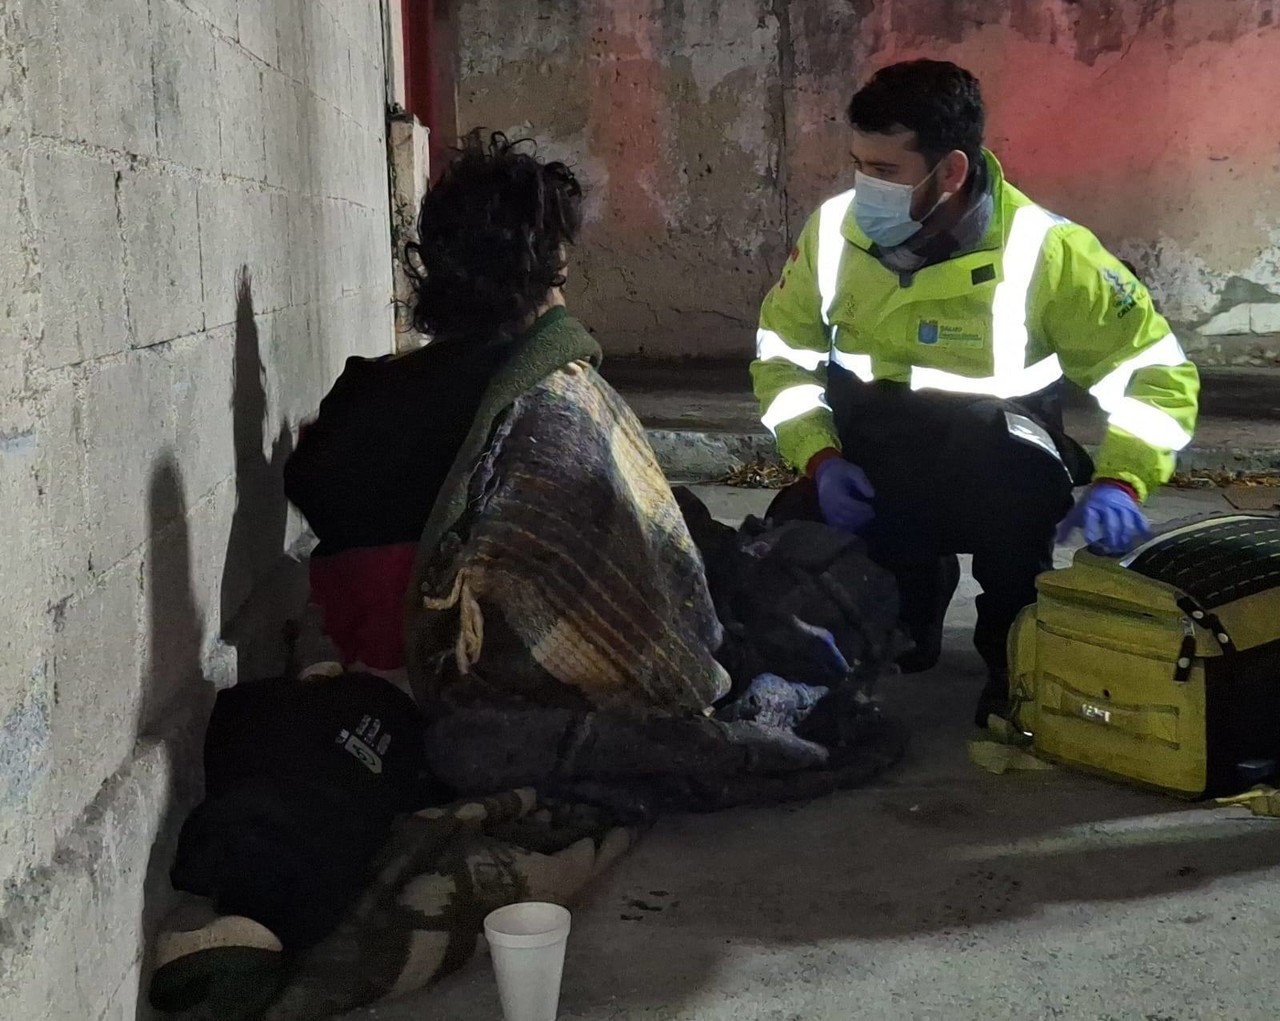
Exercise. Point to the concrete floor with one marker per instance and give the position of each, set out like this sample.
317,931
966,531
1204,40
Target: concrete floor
941,892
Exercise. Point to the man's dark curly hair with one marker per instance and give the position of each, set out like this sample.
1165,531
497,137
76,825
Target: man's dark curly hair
939,101
490,237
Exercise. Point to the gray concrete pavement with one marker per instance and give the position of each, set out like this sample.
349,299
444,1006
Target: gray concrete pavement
941,892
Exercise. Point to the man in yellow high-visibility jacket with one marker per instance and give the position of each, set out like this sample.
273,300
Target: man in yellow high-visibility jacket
910,357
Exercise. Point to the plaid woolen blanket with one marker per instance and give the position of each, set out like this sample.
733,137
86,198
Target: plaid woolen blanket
567,575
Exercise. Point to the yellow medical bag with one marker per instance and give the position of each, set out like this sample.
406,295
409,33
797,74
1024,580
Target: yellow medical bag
1162,667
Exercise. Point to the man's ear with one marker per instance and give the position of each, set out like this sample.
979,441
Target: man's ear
953,172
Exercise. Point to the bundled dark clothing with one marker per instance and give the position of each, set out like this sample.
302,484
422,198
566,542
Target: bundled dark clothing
302,782
797,599
417,918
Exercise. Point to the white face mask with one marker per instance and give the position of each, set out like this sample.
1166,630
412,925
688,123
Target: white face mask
883,209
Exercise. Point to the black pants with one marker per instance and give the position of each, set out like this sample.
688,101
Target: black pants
956,474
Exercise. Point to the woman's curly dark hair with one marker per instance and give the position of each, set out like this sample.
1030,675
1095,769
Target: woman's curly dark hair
490,240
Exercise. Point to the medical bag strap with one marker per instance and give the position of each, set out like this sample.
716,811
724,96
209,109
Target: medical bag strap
1207,620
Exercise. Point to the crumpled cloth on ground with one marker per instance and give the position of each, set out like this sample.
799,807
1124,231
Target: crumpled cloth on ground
999,758
640,766
1006,749
773,701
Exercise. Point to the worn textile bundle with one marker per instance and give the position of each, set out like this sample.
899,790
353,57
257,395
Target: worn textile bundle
442,871
636,767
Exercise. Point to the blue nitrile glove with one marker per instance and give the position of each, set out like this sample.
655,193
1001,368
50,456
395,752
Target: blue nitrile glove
843,494
1110,518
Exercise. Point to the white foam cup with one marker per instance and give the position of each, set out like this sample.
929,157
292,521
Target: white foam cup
527,943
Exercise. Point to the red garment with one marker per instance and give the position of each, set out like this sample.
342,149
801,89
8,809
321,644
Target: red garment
361,593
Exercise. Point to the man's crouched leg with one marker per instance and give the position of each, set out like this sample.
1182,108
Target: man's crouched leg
925,592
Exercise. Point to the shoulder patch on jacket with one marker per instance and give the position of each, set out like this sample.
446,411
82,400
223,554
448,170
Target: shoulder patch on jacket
1124,292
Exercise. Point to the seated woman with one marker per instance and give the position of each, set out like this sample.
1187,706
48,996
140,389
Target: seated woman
398,438
493,522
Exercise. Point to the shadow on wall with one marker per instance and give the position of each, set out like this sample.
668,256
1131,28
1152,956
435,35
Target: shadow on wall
178,697
259,524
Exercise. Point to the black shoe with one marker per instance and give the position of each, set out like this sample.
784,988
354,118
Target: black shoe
994,700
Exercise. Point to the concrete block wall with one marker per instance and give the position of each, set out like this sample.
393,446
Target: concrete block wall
194,235
708,131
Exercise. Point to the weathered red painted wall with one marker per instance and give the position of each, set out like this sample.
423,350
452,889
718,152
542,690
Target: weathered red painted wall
707,131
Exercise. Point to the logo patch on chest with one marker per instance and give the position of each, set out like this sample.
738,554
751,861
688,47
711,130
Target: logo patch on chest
931,332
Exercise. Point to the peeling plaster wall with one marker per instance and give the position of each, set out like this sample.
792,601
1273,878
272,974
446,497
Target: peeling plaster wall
708,130
149,151
669,110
